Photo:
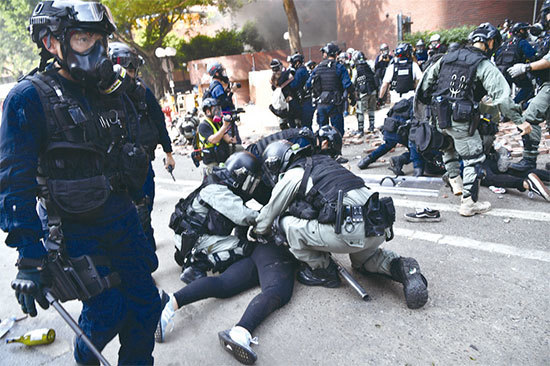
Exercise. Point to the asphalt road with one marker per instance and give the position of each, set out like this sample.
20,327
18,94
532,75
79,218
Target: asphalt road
488,281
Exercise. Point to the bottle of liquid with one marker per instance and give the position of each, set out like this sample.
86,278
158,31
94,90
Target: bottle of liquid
35,337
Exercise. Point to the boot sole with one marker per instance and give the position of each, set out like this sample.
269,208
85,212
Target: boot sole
240,353
539,185
414,287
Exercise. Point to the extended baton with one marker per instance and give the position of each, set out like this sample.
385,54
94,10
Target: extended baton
353,283
29,287
170,169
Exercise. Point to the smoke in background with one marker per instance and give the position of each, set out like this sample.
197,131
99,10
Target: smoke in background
317,21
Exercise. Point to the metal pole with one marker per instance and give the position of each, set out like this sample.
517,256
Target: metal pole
535,12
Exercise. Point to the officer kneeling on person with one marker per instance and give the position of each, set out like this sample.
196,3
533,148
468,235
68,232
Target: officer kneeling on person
207,217
305,196
68,136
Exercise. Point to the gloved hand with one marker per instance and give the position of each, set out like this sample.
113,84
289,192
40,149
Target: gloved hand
517,70
380,102
26,300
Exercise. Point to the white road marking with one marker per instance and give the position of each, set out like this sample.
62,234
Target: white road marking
459,241
452,240
401,202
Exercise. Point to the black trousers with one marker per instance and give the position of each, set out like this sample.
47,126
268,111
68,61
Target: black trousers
510,179
270,266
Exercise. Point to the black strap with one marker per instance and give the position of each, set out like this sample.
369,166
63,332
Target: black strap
308,167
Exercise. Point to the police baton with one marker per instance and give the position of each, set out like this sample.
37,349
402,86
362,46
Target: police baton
353,283
170,169
29,287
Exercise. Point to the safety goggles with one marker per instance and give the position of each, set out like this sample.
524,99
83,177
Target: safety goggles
129,62
87,12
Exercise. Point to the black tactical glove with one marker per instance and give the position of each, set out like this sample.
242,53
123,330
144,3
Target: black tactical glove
26,298
352,99
380,102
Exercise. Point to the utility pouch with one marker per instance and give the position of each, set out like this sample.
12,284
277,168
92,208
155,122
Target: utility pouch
463,111
378,215
443,112
474,123
134,165
79,198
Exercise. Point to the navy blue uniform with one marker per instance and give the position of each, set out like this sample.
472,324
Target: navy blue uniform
332,111
130,310
298,85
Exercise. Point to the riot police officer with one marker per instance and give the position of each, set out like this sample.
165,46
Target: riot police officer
206,218
420,52
298,85
152,128
457,82
365,85
69,133
328,81
381,63
305,200
402,74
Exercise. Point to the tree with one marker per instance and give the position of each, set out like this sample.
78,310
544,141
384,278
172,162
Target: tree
18,55
293,26
145,25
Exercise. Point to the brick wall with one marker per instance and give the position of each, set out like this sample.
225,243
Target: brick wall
365,24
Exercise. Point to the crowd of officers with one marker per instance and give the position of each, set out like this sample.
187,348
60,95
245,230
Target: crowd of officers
78,135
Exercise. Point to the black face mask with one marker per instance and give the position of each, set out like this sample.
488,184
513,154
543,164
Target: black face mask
92,68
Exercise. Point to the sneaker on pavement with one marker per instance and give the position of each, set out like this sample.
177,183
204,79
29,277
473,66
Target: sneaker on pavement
425,215
237,341
166,321
535,185
469,208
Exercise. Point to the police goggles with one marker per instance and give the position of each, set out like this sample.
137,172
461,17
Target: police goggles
87,12
128,62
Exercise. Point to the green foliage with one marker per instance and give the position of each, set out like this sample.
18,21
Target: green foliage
459,35
18,55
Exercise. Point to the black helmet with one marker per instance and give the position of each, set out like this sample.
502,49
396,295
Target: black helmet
122,54
296,59
214,67
208,103
420,42
245,171
518,27
453,46
357,56
403,50
334,139
484,33
330,49
276,65
277,157
311,64
56,16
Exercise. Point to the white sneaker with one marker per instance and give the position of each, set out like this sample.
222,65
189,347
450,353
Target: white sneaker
166,321
237,341
456,185
469,208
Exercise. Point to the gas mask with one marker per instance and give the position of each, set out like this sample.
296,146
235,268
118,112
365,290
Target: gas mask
93,68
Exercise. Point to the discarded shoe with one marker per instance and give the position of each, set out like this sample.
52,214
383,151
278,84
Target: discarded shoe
425,215
237,341
415,285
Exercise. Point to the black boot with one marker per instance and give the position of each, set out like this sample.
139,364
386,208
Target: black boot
326,277
192,273
524,165
365,162
415,286
396,165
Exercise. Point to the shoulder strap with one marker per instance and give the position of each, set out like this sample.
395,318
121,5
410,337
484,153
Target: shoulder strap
308,167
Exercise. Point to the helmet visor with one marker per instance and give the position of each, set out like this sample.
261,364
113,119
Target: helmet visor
128,62
87,12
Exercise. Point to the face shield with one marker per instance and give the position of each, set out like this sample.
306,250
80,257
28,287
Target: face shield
88,12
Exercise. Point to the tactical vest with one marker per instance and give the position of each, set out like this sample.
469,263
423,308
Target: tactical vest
403,81
365,78
328,178
330,82
543,76
88,152
184,220
508,54
457,76
290,134
211,152
148,132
